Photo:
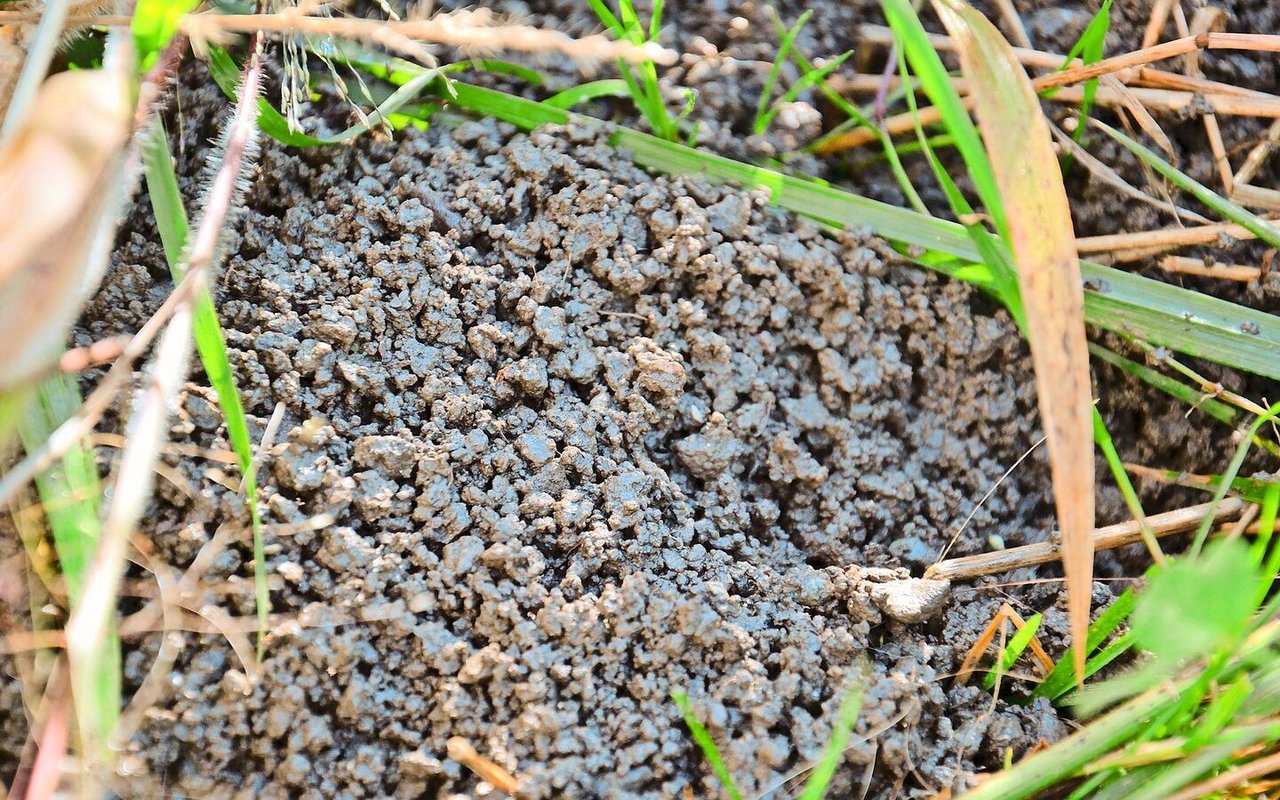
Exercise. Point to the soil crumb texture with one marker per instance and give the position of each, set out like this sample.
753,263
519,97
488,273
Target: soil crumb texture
561,437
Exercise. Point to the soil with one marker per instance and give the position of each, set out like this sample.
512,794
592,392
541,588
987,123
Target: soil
562,437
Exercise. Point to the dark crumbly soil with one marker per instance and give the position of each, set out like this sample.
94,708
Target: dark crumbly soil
587,436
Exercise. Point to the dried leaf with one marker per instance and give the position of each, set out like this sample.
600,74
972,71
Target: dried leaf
55,183
1040,235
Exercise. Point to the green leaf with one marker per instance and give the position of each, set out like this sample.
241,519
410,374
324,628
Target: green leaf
227,75
585,92
1061,679
155,22
1013,650
928,67
705,742
1264,230
70,492
1195,606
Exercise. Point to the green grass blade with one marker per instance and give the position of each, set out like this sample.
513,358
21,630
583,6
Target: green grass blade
171,219
585,92
997,260
1034,774
1229,476
70,493
1013,650
227,75
1061,679
1089,48
706,744
914,42
655,21
1211,406
1265,231
850,706
766,92
1102,437
607,18
810,78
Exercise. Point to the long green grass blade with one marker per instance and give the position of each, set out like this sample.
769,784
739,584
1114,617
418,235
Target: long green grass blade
70,492
706,744
932,73
171,219
1017,645
1061,679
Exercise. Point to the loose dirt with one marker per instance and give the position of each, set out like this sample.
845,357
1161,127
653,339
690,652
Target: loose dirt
561,437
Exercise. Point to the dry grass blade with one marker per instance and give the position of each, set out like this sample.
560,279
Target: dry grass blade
1043,244
55,174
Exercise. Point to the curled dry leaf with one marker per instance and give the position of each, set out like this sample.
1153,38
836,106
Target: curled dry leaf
55,185
1041,237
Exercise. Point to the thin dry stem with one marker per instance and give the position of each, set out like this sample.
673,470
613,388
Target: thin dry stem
473,31
1210,269
1163,239
1107,538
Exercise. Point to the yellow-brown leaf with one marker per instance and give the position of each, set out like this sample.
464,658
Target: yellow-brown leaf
1043,244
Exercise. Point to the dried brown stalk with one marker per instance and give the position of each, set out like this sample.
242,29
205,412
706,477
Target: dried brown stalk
472,31
1107,538
1163,239
1210,269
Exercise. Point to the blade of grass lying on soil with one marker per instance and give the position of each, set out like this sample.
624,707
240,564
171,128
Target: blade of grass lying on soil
1211,406
69,493
1160,313
706,744
171,220
1037,225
